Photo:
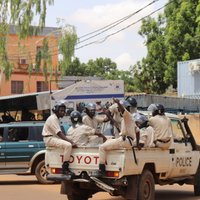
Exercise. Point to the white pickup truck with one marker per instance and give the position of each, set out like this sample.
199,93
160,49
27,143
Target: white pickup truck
129,176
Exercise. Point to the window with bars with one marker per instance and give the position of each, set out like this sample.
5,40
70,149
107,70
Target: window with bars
42,86
17,87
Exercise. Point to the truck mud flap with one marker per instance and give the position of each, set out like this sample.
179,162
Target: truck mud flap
103,186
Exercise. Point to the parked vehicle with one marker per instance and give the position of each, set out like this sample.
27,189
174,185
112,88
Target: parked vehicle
129,174
22,150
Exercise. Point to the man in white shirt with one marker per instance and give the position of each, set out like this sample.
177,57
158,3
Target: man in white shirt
54,137
80,133
91,118
146,132
128,136
117,116
161,125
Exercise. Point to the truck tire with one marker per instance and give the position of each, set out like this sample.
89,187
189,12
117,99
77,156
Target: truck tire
197,182
41,173
146,186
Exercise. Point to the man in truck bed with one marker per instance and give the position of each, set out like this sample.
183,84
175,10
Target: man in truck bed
128,135
80,133
161,125
54,137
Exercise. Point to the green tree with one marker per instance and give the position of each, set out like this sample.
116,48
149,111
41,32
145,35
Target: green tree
182,35
149,73
21,14
101,67
173,37
75,68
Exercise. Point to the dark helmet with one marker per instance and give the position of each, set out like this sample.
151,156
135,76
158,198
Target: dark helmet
76,117
161,109
132,101
125,103
156,109
140,119
91,106
90,109
57,106
152,107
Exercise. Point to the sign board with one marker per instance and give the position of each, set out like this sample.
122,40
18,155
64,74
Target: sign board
90,91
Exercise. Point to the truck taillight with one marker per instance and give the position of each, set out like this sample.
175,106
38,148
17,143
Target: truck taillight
112,174
56,170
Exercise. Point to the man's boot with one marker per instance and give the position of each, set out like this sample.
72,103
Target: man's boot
65,169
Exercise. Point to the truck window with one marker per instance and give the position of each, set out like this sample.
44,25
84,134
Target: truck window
36,133
17,134
1,134
177,130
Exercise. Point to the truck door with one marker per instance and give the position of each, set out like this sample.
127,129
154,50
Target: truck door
19,149
182,158
2,149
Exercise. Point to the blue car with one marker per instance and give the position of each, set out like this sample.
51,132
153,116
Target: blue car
22,149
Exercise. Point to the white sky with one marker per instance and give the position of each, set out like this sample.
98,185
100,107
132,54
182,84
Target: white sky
124,48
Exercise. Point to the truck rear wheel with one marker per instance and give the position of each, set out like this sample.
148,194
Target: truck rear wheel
146,186
197,183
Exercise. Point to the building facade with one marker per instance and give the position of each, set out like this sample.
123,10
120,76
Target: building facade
22,54
188,78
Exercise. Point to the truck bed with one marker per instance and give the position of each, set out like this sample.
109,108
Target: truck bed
122,161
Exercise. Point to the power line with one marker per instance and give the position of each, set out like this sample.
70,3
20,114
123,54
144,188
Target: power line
114,33
114,24
104,29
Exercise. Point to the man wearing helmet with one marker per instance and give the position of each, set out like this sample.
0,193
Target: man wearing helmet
117,117
128,135
54,137
146,132
80,133
133,103
161,125
91,119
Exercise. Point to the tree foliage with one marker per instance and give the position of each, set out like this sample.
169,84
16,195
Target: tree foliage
182,36
149,72
174,36
100,67
21,14
66,46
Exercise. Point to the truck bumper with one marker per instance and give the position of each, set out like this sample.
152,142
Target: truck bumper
59,177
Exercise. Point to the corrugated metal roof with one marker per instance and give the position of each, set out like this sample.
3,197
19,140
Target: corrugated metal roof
20,101
22,95
172,104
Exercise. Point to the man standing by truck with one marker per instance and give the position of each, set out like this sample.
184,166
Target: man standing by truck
54,137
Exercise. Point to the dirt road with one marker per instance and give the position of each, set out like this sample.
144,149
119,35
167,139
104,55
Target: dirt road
14,187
